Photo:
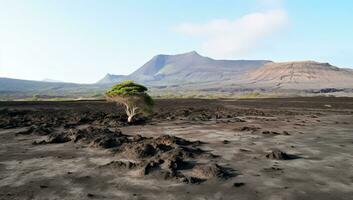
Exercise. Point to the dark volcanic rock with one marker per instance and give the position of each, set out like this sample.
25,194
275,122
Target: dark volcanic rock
35,129
120,165
166,157
138,150
270,133
98,137
280,155
11,118
225,142
238,184
58,138
248,128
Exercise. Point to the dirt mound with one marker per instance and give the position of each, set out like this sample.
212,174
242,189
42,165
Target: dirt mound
248,128
42,129
209,171
280,155
11,118
54,138
206,114
270,133
166,157
98,137
136,151
141,147
120,165
93,136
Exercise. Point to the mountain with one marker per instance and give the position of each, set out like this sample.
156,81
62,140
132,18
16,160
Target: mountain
191,72
188,67
111,78
301,75
51,80
17,88
19,85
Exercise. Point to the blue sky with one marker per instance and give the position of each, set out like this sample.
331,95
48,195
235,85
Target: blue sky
82,40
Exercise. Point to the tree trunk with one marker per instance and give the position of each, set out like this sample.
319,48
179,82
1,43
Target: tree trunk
131,112
129,119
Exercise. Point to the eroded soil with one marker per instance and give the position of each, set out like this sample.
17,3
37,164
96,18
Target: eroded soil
298,148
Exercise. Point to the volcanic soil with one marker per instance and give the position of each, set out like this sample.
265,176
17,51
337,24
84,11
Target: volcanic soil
284,148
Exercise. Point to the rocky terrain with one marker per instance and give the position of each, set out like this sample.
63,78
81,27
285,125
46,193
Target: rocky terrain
289,148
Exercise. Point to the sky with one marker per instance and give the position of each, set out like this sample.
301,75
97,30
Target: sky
82,40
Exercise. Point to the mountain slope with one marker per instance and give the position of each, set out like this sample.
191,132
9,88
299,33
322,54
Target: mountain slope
192,72
23,88
18,85
111,78
301,75
189,67
51,80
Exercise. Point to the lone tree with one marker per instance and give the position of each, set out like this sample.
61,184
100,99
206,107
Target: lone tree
133,96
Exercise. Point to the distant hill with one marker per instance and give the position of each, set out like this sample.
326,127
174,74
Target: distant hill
51,80
18,85
191,72
188,67
301,75
110,78
25,88
191,67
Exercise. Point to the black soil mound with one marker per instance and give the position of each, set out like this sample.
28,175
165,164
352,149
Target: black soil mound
42,129
12,118
209,171
277,154
166,157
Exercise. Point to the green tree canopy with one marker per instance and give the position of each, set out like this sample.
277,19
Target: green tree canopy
127,88
133,96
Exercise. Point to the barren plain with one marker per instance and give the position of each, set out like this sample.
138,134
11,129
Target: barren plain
283,148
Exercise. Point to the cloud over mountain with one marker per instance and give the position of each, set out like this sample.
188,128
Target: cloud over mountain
227,38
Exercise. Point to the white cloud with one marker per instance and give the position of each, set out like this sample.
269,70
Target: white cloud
229,38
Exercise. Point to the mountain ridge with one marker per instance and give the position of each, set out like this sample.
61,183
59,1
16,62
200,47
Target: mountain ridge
190,66
192,72
302,75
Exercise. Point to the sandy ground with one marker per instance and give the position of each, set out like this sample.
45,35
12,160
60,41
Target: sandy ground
318,132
